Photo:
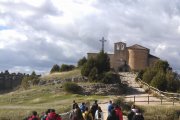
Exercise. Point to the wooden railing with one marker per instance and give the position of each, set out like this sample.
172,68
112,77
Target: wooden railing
148,99
162,94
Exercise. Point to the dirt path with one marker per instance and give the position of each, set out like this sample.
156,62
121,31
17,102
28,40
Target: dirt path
134,89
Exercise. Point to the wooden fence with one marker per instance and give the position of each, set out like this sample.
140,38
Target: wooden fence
163,95
148,99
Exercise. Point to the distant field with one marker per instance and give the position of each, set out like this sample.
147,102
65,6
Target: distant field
62,75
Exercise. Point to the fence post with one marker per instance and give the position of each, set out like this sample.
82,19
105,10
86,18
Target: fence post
148,99
134,99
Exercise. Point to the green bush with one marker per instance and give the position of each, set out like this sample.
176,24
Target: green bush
161,65
110,77
88,66
148,75
93,75
65,67
140,75
71,87
173,81
102,62
159,81
82,61
55,68
95,68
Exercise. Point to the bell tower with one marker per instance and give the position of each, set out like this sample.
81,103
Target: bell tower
120,55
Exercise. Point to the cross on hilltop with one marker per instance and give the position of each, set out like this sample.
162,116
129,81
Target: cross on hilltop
103,41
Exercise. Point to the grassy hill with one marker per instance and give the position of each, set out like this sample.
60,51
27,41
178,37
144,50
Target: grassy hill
20,103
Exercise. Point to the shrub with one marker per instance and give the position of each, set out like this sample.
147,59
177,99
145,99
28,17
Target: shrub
93,75
82,61
102,62
159,81
71,87
161,65
55,68
140,75
86,69
95,68
65,67
148,75
173,81
110,77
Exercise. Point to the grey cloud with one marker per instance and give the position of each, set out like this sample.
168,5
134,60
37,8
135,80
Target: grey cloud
146,22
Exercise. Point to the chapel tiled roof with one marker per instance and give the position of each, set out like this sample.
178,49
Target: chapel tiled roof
136,46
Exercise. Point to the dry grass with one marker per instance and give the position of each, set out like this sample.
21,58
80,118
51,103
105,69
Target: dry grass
161,112
18,104
62,75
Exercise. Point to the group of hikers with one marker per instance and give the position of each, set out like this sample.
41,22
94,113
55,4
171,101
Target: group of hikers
115,112
85,112
50,114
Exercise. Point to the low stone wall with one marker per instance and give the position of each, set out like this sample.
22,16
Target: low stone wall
60,81
101,89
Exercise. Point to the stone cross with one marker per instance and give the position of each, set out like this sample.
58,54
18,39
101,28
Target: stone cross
103,40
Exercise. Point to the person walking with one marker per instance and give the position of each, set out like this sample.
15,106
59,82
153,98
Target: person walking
82,107
53,116
74,104
118,112
94,108
87,115
110,107
34,116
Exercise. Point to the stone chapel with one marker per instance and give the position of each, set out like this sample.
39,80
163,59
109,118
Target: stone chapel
132,58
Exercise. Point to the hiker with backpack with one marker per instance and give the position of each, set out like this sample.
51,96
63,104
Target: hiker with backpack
53,116
118,112
99,114
87,115
34,116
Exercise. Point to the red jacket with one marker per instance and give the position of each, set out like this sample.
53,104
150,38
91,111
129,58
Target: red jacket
32,117
119,113
53,116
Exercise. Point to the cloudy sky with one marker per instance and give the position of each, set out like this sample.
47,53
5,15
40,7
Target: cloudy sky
36,34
